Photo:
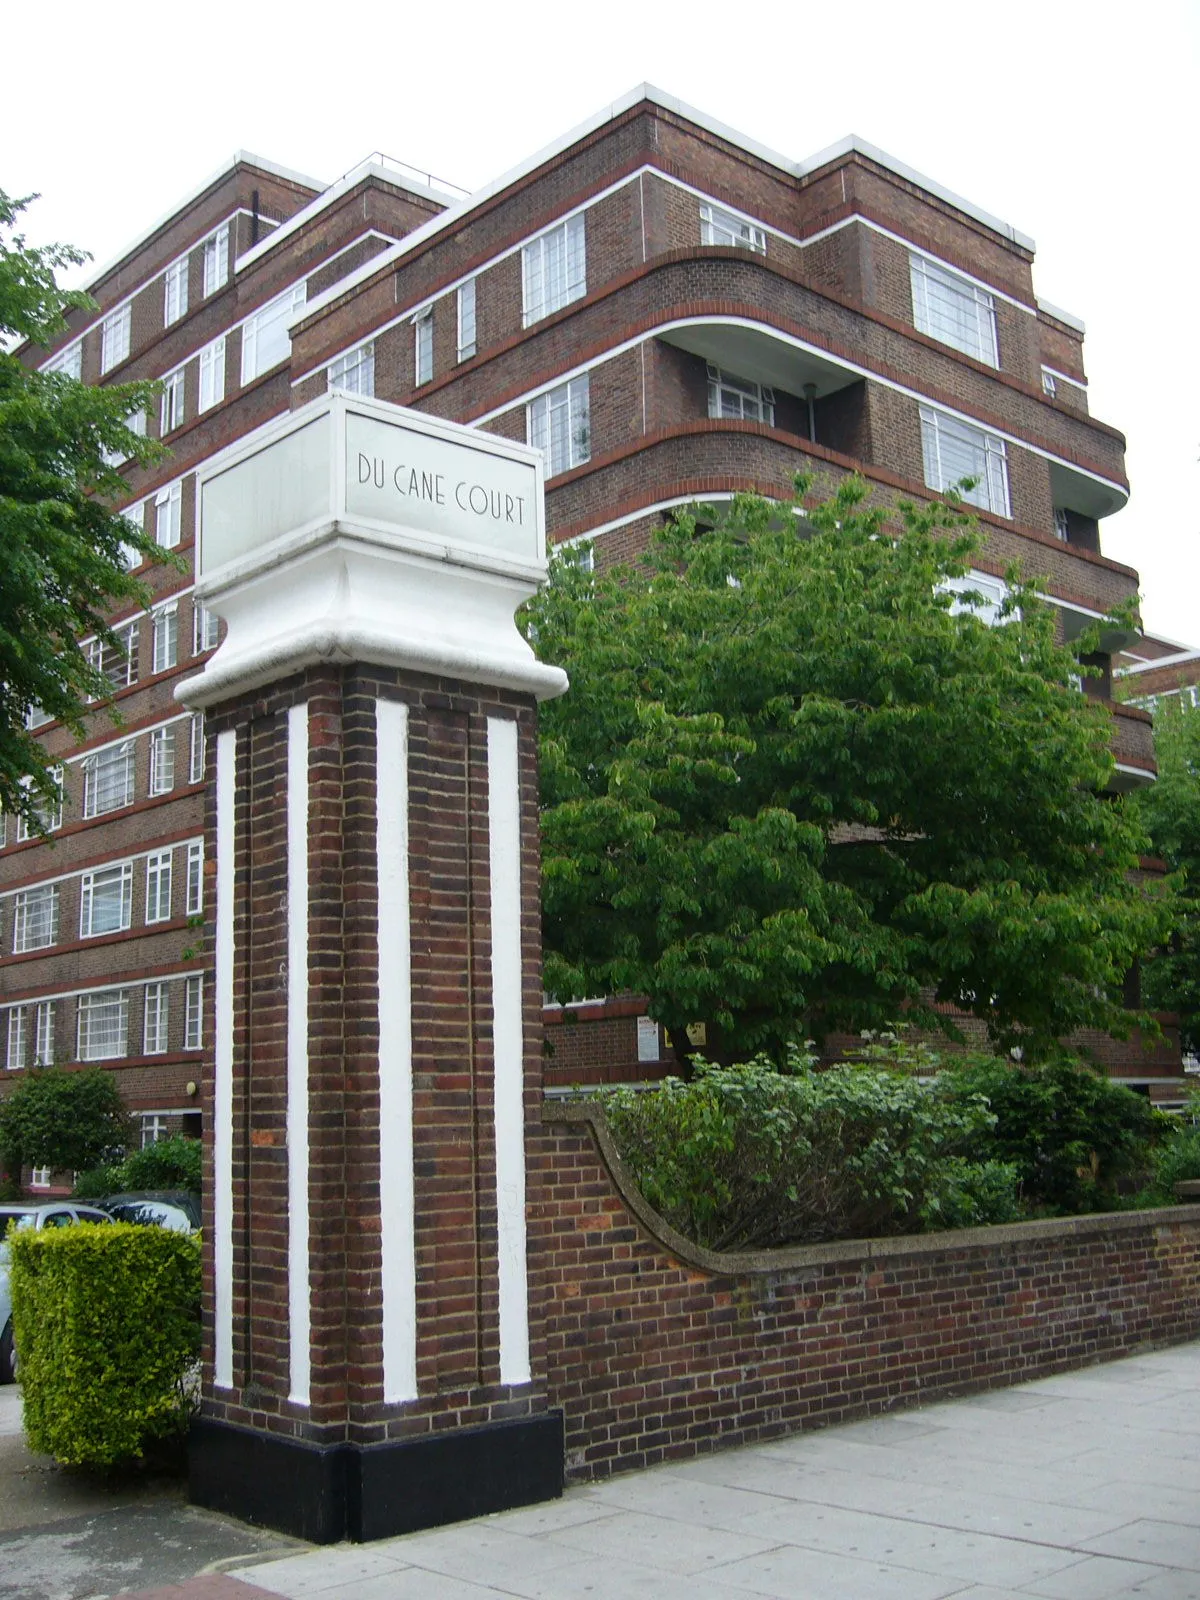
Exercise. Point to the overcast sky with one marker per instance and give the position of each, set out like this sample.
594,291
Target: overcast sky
1076,123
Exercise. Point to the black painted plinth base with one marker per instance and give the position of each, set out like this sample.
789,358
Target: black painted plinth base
346,1491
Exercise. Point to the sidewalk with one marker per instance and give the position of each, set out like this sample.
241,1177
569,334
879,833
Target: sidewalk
1081,1487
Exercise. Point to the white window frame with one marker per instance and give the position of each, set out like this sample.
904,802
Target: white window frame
354,371
175,291
554,269
153,1126
272,319
558,423
733,398
1062,529
119,662
156,1019
193,1013
136,517
43,1033
212,376
119,784
423,347
466,320
195,878
171,410
1049,384
16,1040
159,885
205,628
724,228
39,1177
114,337
36,718
168,515
91,1008
942,438
35,919
216,260
165,620
993,592
51,819
162,761
953,310
119,876
68,361
197,752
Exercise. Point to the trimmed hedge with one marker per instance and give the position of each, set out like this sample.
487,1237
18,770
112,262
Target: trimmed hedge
107,1323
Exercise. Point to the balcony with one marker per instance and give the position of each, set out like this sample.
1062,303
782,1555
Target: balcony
1132,748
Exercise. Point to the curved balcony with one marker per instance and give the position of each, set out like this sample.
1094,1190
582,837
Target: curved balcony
1132,748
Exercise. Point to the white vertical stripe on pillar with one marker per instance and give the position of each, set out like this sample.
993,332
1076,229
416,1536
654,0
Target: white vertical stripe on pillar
223,1065
299,1271
504,843
398,1276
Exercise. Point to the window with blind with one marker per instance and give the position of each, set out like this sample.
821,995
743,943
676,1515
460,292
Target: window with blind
106,900
553,270
35,918
954,450
355,371
103,1026
558,424
265,338
742,398
158,886
953,310
212,374
722,227
108,779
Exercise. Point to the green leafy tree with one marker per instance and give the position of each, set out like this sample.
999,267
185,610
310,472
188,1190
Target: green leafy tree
1170,810
61,544
798,788
67,1121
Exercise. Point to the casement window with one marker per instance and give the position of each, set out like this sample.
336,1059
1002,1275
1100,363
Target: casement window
729,396
35,918
168,515
36,718
982,596
265,338
108,779
216,260
1049,383
117,658
722,227
175,292
136,423
553,270
195,878
158,886
466,320
43,1033
156,1019
197,752
135,516
355,371
50,813
423,347
171,414
106,900
103,1026
162,761
558,425
68,361
166,637
17,1042
1062,526
953,310
212,375
154,1126
954,450
114,337
193,1013
205,628
39,1177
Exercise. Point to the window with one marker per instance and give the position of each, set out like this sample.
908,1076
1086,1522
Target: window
156,1020
1049,383
1062,525
553,270
265,338
158,886
355,371
39,1178
135,421
116,659
212,375
953,310
36,718
136,517
557,424
195,878
14,1058
114,337
168,516
197,753
162,761
49,812
171,415
216,259
466,320
108,779
43,1045
204,629
68,361
103,1028
175,292
193,1013
423,355
35,918
154,1126
722,227
739,397
106,901
954,450
166,637
988,596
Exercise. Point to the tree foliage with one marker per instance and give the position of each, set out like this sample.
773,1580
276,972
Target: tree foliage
797,788
62,1120
61,544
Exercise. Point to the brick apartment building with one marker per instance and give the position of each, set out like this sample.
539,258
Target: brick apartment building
1151,670
672,312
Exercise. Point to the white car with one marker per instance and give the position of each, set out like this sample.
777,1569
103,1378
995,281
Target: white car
16,1214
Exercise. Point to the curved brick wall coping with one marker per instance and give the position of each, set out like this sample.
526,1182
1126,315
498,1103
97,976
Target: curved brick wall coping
793,1258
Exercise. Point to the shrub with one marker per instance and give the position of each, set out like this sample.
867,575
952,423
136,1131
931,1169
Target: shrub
107,1323
166,1164
747,1156
60,1119
1176,1159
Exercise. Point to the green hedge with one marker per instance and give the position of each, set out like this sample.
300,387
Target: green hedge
107,1323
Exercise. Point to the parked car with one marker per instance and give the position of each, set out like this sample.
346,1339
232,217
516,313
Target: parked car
18,1214
178,1209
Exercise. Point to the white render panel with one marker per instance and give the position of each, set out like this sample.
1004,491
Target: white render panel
398,1275
223,1073
299,1265
504,844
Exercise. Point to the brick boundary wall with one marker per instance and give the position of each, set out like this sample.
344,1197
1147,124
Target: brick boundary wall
658,1349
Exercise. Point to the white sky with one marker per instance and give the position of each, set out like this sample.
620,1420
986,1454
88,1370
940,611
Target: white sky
1075,122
